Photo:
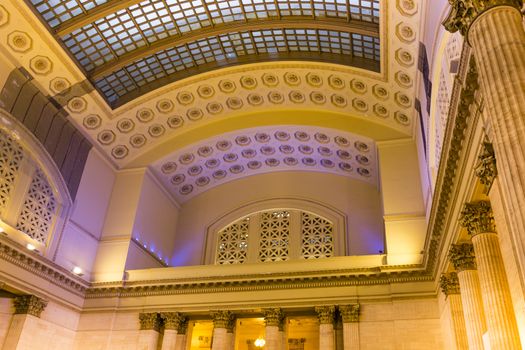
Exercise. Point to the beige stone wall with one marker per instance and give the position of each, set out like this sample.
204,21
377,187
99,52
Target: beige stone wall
5,318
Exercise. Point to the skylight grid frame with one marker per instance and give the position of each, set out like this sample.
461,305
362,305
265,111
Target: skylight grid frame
234,48
56,13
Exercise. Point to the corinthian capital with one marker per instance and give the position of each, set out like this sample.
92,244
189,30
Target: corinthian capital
449,283
486,169
273,317
349,313
477,218
149,321
325,314
171,320
221,319
29,304
464,12
462,256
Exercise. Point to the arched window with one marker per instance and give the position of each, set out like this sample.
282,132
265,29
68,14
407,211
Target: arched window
27,200
275,235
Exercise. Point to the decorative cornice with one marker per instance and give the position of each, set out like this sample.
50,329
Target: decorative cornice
477,218
171,320
325,314
462,256
486,169
464,12
350,313
273,317
30,305
221,319
449,283
150,321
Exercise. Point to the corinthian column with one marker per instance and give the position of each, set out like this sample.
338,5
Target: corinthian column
273,318
449,284
20,334
477,218
171,326
149,331
494,29
462,257
325,314
181,334
221,319
350,315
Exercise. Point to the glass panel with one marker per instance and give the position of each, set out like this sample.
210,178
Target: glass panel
56,12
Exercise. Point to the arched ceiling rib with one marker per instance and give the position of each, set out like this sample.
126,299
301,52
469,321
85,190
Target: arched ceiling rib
133,47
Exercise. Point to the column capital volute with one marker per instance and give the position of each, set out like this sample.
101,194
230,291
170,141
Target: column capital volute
325,314
273,317
477,218
462,256
171,320
150,321
30,305
449,283
464,12
350,313
486,169
221,318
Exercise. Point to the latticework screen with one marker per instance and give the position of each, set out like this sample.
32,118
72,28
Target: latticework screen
317,237
11,155
275,236
233,243
38,209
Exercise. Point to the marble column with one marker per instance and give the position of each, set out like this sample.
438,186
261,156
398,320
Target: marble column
171,325
462,258
181,334
221,319
272,318
494,30
149,331
338,331
449,284
283,334
350,316
230,333
24,322
325,314
478,219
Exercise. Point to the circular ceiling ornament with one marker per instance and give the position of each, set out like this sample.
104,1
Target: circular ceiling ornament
119,152
292,79
137,140
248,82
156,130
336,82
92,121
175,121
314,79
227,86
145,115
270,79
234,102
106,137
185,98
275,97
165,106
206,91
125,125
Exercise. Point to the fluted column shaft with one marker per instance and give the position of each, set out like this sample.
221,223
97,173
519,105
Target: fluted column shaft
273,318
149,331
350,317
472,308
498,40
499,312
458,321
325,314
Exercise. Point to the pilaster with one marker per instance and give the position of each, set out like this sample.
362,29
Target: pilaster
325,314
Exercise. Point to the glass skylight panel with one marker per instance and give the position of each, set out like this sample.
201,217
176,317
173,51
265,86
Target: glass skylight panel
229,48
56,12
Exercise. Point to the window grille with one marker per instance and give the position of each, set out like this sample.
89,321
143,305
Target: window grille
317,237
275,236
11,155
233,243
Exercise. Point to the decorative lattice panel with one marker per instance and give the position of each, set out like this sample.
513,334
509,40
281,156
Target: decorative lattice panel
274,236
11,155
39,207
317,237
232,245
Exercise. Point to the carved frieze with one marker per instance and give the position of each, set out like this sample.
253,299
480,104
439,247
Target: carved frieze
449,283
465,12
486,169
477,218
29,304
149,321
462,256
350,313
325,314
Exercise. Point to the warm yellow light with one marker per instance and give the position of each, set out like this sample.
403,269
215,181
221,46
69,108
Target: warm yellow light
259,342
30,246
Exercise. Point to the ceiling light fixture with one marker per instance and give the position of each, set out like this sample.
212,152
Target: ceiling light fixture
77,271
30,247
259,343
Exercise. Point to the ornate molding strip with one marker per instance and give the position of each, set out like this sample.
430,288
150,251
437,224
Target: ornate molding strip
15,254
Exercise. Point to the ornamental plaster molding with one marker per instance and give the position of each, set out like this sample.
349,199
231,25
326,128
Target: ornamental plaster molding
172,320
350,313
222,318
449,283
477,218
30,305
464,12
150,321
273,317
325,314
486,169
462,257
